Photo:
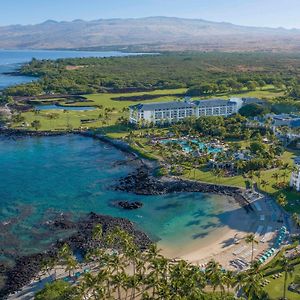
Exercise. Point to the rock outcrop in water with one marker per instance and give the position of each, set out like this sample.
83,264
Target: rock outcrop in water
27,267
142,182
130,205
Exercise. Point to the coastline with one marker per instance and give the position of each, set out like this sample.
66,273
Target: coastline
141,181
27,267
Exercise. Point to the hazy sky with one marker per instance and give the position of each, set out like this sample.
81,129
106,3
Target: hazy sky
272,13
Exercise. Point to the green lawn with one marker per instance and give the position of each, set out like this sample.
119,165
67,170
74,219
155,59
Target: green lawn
267,92
275,287
71,119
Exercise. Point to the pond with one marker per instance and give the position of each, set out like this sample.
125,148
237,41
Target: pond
59,107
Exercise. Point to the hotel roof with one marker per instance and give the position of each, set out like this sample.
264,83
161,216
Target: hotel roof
163,105
182,104
253,101
214,102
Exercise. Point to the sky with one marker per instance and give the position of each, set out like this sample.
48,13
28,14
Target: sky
269,13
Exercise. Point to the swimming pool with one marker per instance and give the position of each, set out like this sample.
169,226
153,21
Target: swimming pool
185,145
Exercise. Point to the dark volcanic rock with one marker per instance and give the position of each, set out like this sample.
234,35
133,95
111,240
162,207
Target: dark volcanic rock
130,205
142,182
27,267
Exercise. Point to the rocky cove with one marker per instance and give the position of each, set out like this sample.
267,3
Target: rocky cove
26,268
140,182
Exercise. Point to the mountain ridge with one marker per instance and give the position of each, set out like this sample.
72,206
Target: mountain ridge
149,34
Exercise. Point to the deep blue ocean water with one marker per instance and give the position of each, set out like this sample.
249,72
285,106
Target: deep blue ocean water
44,176
10,60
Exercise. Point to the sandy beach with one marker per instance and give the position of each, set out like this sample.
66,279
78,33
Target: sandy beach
227,243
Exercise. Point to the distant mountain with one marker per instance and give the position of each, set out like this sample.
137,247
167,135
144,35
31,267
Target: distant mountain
148,34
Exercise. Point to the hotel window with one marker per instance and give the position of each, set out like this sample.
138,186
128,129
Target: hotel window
208,111
216,111
158,115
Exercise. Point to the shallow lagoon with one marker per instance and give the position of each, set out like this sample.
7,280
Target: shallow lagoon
42,176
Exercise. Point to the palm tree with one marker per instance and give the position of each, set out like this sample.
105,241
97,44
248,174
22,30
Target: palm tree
264,183
250,283
215,275
229,280
250,239
240,164
250,175
97,232
258,175
276,176
288,270
281,200
296,219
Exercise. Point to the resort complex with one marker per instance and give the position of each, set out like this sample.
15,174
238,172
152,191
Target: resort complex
172,112
141,196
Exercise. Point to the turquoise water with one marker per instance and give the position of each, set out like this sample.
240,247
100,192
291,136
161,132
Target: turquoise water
43,176
186,147
11,60
57,107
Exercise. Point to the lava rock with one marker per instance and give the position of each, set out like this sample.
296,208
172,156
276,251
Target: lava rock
130,205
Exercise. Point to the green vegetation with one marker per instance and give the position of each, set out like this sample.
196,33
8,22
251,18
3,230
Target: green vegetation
130,273
268,165
163,78
253,110
108,112
202,73
58,290
289,269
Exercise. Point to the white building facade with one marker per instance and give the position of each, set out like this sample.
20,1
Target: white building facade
295,176
172,112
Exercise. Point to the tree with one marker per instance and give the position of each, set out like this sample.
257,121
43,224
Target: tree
58,290
253,110
257,147
250,239
36,124
250,283
296,219
288,271
281,200
264,183
215,275
251,85
276,177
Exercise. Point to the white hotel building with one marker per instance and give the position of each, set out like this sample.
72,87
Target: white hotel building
171,112
295,177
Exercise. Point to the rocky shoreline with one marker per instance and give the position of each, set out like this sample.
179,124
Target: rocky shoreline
142,182
15,133
27,267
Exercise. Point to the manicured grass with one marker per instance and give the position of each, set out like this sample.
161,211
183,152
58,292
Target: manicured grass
275,287
208,176
107,101
71,119
267,92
